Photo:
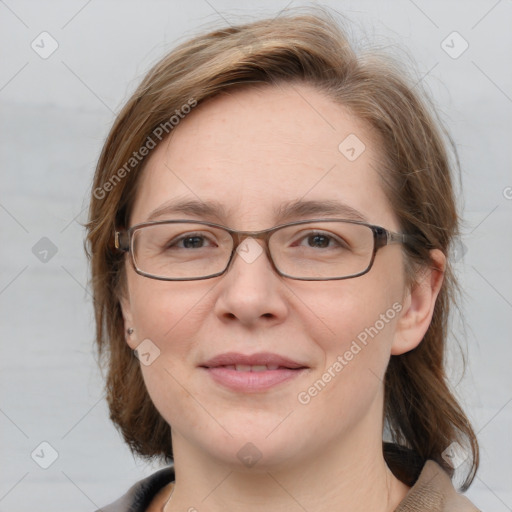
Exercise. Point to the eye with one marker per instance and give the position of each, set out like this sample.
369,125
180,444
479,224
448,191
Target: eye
321,240
191,241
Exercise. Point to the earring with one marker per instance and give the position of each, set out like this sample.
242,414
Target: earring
130,331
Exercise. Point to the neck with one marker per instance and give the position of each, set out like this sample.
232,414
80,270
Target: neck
353,477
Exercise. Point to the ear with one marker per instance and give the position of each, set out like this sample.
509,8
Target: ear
128,320
418,305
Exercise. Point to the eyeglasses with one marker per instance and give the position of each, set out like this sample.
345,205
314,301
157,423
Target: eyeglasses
307,250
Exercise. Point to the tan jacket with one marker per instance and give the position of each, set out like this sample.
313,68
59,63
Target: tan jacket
432,492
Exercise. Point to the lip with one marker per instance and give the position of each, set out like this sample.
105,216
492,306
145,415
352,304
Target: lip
262,358
221,369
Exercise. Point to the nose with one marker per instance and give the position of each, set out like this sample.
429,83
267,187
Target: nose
251,291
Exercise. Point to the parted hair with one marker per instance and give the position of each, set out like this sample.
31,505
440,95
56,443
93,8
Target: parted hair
422,416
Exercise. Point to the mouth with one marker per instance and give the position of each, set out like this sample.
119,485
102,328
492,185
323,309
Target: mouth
245,362
254,367
252,373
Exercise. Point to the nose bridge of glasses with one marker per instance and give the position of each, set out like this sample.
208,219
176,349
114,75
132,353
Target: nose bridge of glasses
239,237
249,247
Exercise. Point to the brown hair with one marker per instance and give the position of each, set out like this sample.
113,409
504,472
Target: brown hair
421,414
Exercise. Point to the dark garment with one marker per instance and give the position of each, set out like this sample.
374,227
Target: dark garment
140,495
432,492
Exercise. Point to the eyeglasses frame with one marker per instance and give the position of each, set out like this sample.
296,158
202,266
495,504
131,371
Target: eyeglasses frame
123,241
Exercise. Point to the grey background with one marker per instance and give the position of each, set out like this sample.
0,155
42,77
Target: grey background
55,115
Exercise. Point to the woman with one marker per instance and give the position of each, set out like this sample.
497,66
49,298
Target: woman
269,229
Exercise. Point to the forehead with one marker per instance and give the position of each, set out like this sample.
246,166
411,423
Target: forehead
254,150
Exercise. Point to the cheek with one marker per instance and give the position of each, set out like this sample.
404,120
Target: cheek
347,310
353,327
170,315
165,312
354,335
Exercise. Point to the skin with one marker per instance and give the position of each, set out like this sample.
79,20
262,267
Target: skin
252,150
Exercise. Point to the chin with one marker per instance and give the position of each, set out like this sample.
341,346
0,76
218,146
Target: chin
256,447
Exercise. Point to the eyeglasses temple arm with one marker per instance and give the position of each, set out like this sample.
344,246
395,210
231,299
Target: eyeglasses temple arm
398,238
120,241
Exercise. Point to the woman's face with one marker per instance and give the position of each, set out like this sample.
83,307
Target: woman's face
252,152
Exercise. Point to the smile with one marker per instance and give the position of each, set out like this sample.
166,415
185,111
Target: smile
252,380
252,368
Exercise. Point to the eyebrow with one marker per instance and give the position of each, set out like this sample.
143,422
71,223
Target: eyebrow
192,207
301,208
285,212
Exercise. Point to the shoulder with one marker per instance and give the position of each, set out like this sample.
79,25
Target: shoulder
140,495
434,492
